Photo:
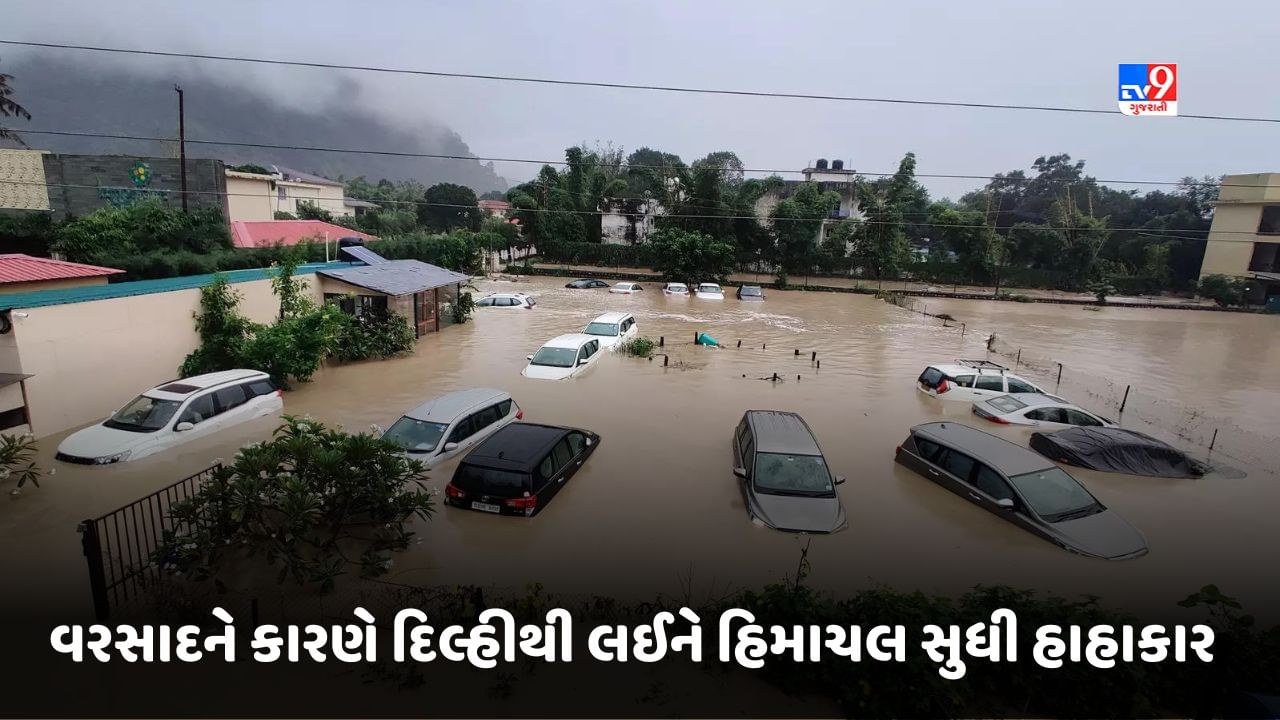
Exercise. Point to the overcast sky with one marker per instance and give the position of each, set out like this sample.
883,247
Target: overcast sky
1045,52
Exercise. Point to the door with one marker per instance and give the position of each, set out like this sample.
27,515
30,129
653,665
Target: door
201,412
953,470
991,487
985,386
1048,416
233,406
460,434
424,312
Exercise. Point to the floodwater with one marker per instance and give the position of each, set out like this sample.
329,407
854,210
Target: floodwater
657,509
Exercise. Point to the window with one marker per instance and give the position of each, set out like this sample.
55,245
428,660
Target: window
546,470
373,303
604,329
783,474
484,302
260,387
415,436
144,414
1016,385
958,464
929,450
990,482
1007,404
577,443
964,380
930,377
554,357
488,481
749,454
1053,494
485,418
1053,415
13,418
990,382
229,398
199,410
1270,222
562,454
1076,417
461,431
504,408
584,353
346,303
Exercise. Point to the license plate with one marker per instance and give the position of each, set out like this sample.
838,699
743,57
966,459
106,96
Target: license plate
485,507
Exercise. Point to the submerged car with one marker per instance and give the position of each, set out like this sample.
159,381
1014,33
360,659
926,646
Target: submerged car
519,469
784,477
674,288
563,357
441,428
613,328
1113,449
626,288
174,413
971,380
1035,409
1020,486
507,300
709,291
750,292
586,284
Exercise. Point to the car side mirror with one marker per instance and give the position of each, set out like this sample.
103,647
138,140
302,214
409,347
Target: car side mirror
740,472
583,361
528,357
450,446
588,443
183,427
840,479
1005,504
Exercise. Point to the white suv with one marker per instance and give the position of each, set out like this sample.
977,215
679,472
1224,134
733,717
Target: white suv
507,300
971,380
446,426
613,328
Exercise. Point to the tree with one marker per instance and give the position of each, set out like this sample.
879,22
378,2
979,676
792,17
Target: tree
966,233
881,245
448,206
311,211
796,223
691,257
106,235
1223,289
10,108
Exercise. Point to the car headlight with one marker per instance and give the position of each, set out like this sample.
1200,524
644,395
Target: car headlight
109,459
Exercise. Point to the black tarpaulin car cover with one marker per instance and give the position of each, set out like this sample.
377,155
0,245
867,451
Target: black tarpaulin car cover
1115,450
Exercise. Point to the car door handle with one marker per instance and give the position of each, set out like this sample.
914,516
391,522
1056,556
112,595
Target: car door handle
974,496
934,473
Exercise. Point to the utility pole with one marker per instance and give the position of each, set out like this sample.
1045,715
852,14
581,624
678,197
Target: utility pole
182,144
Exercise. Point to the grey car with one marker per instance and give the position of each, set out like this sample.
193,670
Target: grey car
784,477
1020,486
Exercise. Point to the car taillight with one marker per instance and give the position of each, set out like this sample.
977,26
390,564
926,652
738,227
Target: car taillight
943,386
995,418
522,503
519,414
452,491
897,451
279,392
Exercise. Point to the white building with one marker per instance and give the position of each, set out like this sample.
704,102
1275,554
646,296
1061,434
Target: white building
256,197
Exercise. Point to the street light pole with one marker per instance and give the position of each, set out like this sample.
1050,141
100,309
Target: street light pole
182,145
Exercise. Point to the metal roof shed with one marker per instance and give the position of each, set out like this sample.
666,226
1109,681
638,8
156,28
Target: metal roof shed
411,286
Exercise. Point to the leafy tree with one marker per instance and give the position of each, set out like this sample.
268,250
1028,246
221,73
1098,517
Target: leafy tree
691,257
1223,289
493,195
880,245
724,162
966,233
222,330
653,174
449,207
796,223
10,108
110,233
283,215
311,211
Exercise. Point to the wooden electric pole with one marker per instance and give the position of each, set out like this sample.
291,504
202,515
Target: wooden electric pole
182,145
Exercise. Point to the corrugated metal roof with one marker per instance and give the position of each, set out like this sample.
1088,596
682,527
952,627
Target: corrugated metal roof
397,277
265,233
362,254
16,267
44,298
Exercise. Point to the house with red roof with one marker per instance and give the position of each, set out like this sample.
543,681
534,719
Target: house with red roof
265,233
23,273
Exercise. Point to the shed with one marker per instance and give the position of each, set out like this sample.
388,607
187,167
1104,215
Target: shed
411,288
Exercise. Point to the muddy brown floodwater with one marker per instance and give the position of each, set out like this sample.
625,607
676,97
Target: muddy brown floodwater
657,509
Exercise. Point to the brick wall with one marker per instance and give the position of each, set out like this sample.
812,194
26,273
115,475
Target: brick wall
80,184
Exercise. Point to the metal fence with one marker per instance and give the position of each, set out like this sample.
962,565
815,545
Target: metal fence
120,546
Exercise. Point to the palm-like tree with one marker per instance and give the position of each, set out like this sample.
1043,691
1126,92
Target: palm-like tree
10,108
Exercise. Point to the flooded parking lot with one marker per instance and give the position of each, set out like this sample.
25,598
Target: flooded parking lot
657,508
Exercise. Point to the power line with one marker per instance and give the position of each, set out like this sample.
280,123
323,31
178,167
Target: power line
440,156
610,85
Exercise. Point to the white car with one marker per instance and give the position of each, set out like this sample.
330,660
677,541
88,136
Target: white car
675,289
626,288
709,291
507,300
563,357
613,328
971,380
442,428
174,413
1036,409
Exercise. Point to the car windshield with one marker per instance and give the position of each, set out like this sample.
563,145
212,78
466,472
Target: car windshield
782,474
555,357
753,291
1004,403
676,287
601,328
488,481
144,414
708,288
1054,495
415,436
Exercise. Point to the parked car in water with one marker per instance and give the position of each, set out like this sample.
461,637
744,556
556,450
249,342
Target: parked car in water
784,477
174,413
626,288
507,300
519,469
709,291
443,427
1035,409
971,380
613,328
750,292
1113,449
1020,486
586,284
563,357
673,288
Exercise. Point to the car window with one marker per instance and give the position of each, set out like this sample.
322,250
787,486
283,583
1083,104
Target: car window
749,454
990,382
462,430
484,418
504,408
1007,404
1076,417
584,352
546,469
1016,385
785,474
931,376
958,464
562,454
229,398
990,482
577,443
1052,414
484,302
260,387
489,481
554,357
199,410
928,450
742,434
1053,493
964,380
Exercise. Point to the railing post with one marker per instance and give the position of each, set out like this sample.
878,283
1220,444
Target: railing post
97,576
1059,374
1018,361
1125,399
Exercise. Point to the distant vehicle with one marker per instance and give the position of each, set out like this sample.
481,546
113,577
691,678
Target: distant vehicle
613,328
1113,449
709,291
971,380
519,469
507,300
750,292
441,428
1035,409
675,289
1020,486
626,288
784,477
563,357
586,284
172,414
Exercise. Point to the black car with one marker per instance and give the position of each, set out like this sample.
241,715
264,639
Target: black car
587,284
519,468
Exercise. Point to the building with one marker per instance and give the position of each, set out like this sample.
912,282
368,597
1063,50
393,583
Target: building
829,176
628,221
265,233
257,196
411,288
1244,240
24,273
495,208
22,185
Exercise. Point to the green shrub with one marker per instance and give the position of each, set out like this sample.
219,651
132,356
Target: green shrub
638,347
112,233
463,307
374,334
18,458
1223,289
585,253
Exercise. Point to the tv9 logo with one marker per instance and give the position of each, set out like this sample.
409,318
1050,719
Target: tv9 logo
1150,89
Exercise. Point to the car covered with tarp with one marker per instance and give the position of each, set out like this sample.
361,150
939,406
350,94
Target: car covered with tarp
1112,449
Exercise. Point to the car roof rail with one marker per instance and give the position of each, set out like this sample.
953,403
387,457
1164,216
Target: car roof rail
982,365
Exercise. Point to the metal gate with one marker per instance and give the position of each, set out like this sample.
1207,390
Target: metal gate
120,546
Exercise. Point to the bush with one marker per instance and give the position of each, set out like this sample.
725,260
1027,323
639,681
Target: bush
638,347
1223,289
584,253
692,257
374,334
107,235
31,233
18,458
462,307
282,215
